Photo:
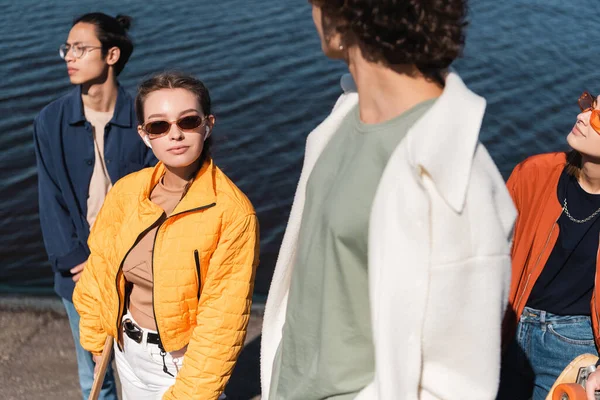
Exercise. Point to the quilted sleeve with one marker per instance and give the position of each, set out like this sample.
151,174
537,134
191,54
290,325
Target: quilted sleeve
223,312
88,295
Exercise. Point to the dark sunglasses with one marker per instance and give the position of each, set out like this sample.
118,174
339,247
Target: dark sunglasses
156,129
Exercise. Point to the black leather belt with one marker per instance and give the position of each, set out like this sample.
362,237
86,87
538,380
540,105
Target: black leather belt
136,333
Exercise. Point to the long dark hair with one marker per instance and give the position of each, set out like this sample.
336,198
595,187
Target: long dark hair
112,32
574,163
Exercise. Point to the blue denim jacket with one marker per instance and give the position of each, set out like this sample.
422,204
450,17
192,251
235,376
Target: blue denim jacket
64,148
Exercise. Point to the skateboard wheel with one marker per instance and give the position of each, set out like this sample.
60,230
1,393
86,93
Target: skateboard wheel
569,391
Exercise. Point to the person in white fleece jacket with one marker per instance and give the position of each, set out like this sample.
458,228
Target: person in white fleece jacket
392,278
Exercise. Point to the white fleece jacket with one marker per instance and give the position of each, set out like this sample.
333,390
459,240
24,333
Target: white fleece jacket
439,256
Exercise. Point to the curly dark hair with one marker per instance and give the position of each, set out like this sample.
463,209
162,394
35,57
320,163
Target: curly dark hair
426,33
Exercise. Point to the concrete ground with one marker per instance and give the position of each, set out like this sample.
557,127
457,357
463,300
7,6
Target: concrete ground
38,358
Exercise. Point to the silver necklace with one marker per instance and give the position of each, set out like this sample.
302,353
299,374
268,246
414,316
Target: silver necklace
578,221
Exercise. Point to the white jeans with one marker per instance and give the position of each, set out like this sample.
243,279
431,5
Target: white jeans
140,368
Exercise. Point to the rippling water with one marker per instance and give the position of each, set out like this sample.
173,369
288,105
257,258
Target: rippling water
270,86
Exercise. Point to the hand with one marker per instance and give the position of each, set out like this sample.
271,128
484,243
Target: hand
98,361
76,271
592,384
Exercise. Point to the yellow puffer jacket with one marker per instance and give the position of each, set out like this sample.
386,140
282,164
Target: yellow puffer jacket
213,232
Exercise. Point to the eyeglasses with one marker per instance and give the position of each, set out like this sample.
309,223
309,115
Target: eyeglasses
156,129
77,50
587,102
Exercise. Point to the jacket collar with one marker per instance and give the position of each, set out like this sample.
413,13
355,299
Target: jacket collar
444,140
121,116
201,193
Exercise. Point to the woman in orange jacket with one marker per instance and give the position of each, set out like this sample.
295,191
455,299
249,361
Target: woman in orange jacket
554,302
173,257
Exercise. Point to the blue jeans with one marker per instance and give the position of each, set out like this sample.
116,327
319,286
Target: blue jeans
543,346
85,362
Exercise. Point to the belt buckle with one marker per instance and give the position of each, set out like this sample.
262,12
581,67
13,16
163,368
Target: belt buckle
133,331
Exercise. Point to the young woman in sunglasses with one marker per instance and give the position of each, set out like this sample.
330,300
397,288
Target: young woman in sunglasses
554,304
173,256
84,142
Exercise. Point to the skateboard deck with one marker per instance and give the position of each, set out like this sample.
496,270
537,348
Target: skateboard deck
99,378
570,384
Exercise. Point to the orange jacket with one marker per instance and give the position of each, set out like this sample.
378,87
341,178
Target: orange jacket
213,233
533,186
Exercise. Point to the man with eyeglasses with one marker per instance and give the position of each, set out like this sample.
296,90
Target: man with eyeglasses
84,142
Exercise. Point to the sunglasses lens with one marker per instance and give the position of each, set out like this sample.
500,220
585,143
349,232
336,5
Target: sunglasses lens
189,123
595,120
157,127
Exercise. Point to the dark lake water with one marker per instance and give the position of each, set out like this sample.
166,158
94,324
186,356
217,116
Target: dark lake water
270,86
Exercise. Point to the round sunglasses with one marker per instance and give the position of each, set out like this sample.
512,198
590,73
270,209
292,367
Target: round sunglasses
156,129
587,102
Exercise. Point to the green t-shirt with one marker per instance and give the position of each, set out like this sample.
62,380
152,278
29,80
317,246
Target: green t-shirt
326,351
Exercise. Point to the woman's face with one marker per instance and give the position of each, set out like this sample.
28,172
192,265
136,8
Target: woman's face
177,148
583,137
91,65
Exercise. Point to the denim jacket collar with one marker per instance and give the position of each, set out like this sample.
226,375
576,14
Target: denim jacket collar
121,116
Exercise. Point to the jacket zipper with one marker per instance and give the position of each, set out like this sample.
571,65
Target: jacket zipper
197,259
518,304
152,259
140,236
